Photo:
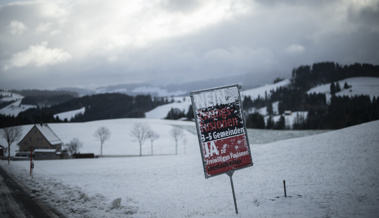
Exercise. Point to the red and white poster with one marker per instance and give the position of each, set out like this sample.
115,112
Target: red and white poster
221,130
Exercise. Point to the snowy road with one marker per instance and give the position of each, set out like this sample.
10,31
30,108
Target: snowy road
15,202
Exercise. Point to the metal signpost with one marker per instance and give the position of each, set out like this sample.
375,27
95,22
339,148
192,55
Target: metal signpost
31,161
221,131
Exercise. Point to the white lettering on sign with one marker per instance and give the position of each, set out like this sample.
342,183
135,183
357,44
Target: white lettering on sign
216,97
213,149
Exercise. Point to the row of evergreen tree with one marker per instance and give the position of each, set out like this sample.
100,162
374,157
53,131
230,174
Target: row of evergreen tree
340,112
306,77
343,111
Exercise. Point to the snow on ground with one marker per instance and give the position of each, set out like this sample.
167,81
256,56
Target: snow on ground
16,107
183,102
161,112
359,86
70,114
261,91
120,142
294,117
333,174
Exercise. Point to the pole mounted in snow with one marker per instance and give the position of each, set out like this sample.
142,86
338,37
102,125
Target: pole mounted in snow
31,161
285,190
230,174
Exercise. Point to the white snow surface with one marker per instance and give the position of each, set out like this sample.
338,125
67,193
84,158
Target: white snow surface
70,114
261,91
333,174
359,86
289,119
16,107
161,112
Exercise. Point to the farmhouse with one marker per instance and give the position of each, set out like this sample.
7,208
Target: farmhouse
43,141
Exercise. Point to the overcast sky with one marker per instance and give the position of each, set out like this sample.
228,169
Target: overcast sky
93,43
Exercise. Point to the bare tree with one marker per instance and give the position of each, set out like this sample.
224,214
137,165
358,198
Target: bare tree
73,146
140,133
102,134
152,136
11,134
176,132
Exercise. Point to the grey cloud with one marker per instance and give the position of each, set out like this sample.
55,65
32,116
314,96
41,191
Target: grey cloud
181,6
367,16
266,41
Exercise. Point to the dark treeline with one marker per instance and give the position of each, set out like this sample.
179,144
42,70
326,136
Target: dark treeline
340,112
47,93
306,77
176,113
43,98
97,107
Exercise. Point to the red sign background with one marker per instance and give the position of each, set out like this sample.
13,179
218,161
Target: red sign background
226,154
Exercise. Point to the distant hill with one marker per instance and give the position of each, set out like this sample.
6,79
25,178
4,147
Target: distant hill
312,99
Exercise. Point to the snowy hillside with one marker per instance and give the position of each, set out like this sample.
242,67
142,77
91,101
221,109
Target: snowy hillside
263,90
359,86
333,174
16,107
70,114
161,111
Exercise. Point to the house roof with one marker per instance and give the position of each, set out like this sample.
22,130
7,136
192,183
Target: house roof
48,133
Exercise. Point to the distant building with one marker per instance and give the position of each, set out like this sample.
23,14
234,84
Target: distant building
43,141
287,113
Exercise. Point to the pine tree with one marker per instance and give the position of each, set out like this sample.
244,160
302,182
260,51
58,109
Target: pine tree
346,86
189,114
281,124
332,89
269,109
338,87
270,123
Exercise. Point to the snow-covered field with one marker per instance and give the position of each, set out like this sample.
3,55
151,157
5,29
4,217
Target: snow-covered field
161,112
70,114
16,107
263,90
359,86
333,174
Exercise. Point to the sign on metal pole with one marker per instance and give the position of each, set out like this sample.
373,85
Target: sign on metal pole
221,130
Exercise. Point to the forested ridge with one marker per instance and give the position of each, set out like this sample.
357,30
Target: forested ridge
340,112
97,107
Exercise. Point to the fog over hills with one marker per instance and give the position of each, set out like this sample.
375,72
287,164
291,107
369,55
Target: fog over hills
173,89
